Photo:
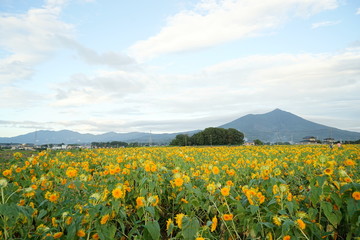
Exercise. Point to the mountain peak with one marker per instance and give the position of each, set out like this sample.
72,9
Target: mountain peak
282,126
277,110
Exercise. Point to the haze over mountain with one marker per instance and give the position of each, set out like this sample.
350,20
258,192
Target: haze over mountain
274,126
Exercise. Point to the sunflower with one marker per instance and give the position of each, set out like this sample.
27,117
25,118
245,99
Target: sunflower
118,193
58,235
356,195
178,219
104,219
301,224
168,223
81,233
140,202
213,224
178,182
215,170
328,171
225,191
228,217
276,220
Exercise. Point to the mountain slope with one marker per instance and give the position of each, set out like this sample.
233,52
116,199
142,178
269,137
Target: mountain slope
282,126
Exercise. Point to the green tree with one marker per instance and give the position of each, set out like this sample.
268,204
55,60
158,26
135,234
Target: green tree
258,142
218,136
234,137
180,140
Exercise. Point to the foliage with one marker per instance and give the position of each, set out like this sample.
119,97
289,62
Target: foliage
210,136
244,192
351,142
109,144
181,140
258,142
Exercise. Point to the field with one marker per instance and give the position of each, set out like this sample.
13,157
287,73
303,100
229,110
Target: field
253,192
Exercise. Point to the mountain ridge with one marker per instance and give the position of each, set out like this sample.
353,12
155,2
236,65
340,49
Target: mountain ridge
273,126
282,126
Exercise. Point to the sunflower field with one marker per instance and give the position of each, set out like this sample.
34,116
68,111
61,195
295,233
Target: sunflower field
244,192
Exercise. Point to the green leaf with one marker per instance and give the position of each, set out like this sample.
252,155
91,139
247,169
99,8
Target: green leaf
330,215
312,213
170,229
190,226
290,206
351,206
151,210
267,224
211,198
327,190
71,231
315,195
350,186
282,212
326,207
116,205
286,226
253,209
272,201
106,231
321,180
153,229
336,198
42,213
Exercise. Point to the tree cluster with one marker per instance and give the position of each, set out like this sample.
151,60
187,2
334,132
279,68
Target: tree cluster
351,142
210,136
113,144
258,142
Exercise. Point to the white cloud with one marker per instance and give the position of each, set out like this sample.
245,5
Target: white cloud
105,86
310,73
54,3
324,24
214,22
15,97
29,39
111,59
358,11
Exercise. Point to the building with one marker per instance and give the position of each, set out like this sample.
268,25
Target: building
309,140
328,141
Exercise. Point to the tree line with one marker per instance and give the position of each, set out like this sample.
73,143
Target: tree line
210,136
113,144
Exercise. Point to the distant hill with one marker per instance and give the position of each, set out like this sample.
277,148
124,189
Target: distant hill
71,137
282,126
274,126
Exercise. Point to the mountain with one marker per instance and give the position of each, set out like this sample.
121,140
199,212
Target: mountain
71,137
282,126
274,126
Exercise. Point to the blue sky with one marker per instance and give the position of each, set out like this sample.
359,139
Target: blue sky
95,66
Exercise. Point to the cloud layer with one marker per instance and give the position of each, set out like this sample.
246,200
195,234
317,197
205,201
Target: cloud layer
292,82
214,22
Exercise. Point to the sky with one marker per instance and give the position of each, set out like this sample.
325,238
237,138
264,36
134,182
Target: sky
95,66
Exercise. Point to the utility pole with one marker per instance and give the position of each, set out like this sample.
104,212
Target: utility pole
150,140
35,137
